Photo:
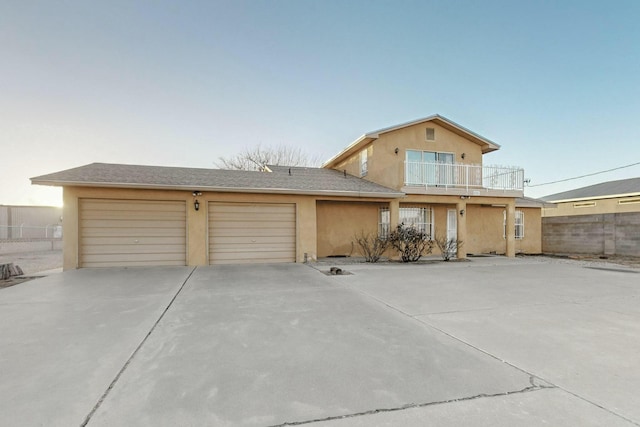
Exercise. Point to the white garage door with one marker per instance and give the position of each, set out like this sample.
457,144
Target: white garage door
132,233
251,233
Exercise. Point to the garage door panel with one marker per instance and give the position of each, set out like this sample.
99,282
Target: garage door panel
125,205
133,223
112,260
141,240
141,215
241,233
132,249
132,233
254,232
257,208
247,217
233,257
126,232
230,240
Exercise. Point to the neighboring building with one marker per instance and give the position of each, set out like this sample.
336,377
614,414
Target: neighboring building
428,173
601,219
30,222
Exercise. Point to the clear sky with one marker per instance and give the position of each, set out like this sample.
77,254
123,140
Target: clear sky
556,83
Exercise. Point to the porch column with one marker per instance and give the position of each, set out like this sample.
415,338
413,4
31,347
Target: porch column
394,214
461,208
511,229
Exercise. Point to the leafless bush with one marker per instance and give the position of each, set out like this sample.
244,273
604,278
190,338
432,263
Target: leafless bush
371,245
448,247
410,242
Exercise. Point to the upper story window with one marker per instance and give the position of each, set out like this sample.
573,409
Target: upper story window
364,167
431,134
429,168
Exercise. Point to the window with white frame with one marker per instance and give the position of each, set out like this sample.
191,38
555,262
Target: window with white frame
384,223
418,217
519,224
363,163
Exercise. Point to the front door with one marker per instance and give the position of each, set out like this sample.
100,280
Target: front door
452,228
452,224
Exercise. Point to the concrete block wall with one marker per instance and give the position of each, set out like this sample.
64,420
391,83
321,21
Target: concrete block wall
602,234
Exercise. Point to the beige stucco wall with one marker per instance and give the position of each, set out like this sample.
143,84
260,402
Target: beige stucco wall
602,206
486,230
339,221
385,167
197,221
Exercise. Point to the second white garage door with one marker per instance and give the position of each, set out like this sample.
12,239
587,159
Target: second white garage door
251,233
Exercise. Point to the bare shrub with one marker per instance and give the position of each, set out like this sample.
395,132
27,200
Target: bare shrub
448,247
410,242
371,245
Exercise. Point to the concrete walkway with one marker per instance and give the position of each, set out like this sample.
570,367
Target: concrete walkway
490,342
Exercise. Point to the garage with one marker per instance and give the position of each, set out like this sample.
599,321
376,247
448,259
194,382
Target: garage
252,233
115,233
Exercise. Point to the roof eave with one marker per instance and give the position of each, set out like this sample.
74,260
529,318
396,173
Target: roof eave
368,194
581,199
487,146
352,148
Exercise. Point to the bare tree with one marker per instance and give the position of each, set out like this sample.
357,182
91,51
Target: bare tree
256,158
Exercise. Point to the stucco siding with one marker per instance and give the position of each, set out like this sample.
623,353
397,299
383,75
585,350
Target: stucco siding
197,221
338,222
385,167
594,207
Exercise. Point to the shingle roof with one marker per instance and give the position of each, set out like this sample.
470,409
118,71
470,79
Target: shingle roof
618,188
529,202
300,181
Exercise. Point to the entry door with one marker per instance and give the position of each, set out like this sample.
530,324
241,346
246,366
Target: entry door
452,224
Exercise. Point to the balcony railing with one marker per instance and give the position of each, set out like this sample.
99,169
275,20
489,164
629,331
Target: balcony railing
458,175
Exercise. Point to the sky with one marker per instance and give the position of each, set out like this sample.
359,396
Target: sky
555,83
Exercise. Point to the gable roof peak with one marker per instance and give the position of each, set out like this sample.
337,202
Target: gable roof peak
486,144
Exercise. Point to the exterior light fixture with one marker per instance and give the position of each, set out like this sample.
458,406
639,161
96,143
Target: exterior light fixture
396,150
196,203
461,212
463,155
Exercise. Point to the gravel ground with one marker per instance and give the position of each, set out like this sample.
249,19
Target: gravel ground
34,262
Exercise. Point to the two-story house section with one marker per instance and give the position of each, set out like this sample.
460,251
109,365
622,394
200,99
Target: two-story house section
449,190
428,173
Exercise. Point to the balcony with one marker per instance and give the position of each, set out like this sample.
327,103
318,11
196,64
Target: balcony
464,179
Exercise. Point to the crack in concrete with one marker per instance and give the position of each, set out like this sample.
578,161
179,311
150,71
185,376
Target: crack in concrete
532,387
135,352
531,375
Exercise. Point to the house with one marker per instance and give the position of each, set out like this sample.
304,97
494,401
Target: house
428,173
600,219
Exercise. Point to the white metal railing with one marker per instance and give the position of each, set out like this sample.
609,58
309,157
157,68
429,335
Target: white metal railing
459,175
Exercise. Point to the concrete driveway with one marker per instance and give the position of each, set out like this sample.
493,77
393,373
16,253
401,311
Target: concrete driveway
493,341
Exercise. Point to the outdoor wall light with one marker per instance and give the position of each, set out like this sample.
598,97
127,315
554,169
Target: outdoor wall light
461,212
463,155
196,203
396,150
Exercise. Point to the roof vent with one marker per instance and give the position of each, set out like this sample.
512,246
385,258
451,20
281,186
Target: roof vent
431,134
